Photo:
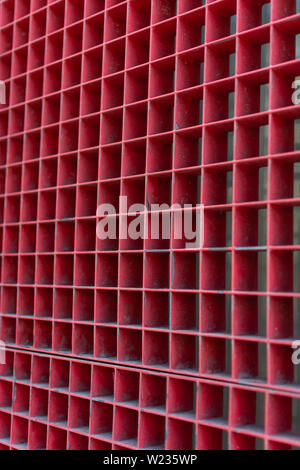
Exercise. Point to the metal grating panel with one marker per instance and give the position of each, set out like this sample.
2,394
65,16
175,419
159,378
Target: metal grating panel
60,403
164,102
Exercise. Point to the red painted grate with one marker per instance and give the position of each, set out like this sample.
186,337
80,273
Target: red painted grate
164,102
59,403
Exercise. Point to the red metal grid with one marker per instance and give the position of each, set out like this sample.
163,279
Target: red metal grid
161,101
55,403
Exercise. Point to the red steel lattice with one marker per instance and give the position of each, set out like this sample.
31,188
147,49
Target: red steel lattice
162,101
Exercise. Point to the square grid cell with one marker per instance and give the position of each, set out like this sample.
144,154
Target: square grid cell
165,102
